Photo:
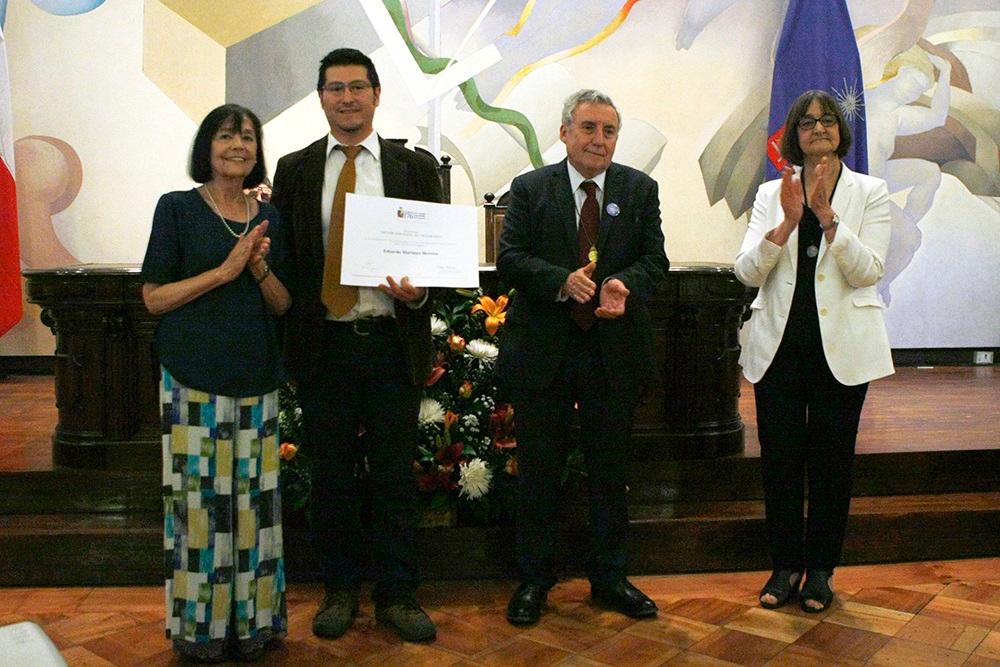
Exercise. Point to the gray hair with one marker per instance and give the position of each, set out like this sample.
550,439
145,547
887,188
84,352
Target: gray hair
583,96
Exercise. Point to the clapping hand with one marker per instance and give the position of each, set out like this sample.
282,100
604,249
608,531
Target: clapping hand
613,295
819,195
579,286
262,246
237,259
791,196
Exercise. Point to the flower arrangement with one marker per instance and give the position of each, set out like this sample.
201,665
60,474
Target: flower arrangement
467,448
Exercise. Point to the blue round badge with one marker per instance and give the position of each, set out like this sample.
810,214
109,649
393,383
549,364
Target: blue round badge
613,209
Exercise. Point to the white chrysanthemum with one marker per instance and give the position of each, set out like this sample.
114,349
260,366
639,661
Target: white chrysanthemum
438,326
430,411
480,349
474,478
470,421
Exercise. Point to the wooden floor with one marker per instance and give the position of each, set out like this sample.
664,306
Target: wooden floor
917,409
928,613
933,613
27,420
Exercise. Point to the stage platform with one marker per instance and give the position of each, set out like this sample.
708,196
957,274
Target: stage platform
927,486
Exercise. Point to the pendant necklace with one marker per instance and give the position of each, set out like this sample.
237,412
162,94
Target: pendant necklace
811,250
225,223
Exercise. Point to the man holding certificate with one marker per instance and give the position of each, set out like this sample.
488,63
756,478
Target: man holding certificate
360,355
583,249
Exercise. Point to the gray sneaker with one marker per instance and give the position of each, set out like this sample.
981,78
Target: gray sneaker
409,621
336,614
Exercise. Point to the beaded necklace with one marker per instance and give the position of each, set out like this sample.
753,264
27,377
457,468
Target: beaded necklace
225,223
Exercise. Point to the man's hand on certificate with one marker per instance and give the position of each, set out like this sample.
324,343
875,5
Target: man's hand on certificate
613,295
403,290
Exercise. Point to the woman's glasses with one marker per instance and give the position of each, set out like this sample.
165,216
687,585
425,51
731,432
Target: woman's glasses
808,122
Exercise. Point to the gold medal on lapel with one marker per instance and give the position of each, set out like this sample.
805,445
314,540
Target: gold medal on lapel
592,255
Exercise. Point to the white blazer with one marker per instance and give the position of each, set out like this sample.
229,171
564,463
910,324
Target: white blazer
851,325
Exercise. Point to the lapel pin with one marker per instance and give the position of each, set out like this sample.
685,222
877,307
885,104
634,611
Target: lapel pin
613,209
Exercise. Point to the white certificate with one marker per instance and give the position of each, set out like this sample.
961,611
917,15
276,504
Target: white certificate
436,245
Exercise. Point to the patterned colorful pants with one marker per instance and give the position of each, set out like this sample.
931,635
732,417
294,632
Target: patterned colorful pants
225,570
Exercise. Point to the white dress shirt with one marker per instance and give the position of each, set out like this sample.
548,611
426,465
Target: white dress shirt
371,301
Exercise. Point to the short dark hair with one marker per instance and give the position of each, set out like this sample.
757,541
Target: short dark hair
347,57
201,152
790,149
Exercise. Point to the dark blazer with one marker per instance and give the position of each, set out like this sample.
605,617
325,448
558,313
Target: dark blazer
298,189
538,250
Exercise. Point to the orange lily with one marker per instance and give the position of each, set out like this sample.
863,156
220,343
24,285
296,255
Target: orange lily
495,315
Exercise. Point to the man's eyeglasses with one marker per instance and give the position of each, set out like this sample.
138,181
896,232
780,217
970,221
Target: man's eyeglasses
337,88
808,122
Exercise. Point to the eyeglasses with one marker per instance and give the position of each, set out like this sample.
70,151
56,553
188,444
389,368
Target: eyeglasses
808,122
337,88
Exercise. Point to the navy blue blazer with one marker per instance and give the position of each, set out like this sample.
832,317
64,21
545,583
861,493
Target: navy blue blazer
538,250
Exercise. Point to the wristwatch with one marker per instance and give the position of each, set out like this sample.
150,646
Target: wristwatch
833,223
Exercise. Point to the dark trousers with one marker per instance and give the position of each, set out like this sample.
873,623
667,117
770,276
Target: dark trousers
807,425
362,382
543,422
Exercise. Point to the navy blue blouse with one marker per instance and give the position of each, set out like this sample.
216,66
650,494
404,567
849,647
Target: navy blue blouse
224,342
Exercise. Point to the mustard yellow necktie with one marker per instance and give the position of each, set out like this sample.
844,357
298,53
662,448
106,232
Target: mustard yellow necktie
339,299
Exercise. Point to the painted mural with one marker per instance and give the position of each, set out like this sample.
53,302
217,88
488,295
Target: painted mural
107,95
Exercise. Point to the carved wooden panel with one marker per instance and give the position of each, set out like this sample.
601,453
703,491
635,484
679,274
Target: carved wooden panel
106,372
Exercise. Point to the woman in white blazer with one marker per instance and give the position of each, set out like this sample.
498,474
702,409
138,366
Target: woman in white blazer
816,248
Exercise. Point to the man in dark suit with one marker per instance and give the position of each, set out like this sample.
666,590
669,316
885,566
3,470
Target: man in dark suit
359,355
583,248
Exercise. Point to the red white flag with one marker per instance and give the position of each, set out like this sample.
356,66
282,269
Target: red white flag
11,307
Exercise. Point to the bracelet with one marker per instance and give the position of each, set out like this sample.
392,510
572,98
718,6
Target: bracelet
267,272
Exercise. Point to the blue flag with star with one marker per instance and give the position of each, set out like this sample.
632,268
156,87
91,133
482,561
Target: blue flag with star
817,51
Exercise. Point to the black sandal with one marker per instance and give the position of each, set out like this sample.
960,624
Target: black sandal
817,589
783,584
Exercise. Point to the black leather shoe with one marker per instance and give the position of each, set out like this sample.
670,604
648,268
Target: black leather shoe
525,606
625,598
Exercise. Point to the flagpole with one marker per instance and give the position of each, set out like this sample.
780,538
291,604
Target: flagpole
434,106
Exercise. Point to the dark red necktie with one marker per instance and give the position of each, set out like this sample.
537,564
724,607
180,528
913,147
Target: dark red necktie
586,236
